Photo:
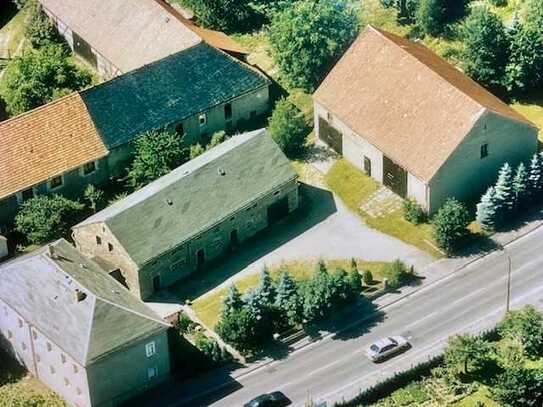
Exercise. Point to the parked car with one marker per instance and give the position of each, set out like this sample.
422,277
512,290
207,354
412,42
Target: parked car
275,399
387,347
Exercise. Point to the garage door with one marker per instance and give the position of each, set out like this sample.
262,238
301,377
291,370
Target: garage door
394,177
330,136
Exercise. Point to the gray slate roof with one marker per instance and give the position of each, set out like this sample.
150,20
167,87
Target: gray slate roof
167,91
146,224
42,290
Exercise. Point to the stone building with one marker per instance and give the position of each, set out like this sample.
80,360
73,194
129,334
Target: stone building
119,36
78,330
414,122
198,212
85,138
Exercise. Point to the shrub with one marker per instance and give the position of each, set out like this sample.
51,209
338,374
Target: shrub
94,196
308,36
288,128
450,224
40,30
211,349
222,15
156,153
432,16
413,212
498,3
240,329
45,218
397,274
526,326
367,277
185,324
519,388
466,353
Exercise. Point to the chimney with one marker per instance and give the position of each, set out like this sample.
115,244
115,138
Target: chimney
51,252
79,295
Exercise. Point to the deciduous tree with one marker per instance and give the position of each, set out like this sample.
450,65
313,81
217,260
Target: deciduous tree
519,388
466,353
450,224
288,128
526,326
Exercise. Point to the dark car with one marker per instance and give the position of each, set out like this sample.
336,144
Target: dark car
275,399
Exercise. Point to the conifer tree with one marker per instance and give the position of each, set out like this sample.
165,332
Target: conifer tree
520,186
266,290
487,210
287,298
535,177
232,300
504,191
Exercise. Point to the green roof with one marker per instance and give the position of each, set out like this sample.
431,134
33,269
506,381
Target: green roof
42,290
167,91
196,195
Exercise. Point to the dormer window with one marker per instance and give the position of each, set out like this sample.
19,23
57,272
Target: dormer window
202,118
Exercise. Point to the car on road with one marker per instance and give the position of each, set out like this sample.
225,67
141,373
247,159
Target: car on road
275,399
387,347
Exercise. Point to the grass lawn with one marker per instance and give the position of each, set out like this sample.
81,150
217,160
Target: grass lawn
533,111
354,188
208,306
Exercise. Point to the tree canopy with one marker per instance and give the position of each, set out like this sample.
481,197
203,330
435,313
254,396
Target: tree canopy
288,128
307,37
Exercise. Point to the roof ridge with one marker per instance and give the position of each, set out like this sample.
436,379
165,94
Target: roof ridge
41,107
89,333
384,34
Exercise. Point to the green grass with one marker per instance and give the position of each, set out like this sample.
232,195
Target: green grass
354,188
208,306
533,111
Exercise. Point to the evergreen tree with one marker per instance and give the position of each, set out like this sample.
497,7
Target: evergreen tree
317,294
266,290
232,300
287,298
535,177
487,210
520,186
355,279
505,198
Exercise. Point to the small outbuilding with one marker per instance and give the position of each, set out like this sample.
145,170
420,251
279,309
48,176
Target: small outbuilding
201,210
415,123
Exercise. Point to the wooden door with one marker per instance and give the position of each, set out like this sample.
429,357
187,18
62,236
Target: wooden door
330,136
394,177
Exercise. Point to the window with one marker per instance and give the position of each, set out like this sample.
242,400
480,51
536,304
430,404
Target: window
56,182
277,192
52,369
98,240
38,358
89,168
329,117
110,247
20,322
152,372
202,118
150,349
25,195
49,347
228,111
484,150
78,391
66,382
23,345
62,358
75,368
34,335
10,334
179,129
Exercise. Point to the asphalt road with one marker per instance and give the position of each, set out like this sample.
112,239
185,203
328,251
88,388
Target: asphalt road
333,369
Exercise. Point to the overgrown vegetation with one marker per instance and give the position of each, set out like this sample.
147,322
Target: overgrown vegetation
288,128
450,225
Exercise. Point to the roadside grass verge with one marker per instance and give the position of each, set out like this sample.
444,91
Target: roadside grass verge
354,188
208,306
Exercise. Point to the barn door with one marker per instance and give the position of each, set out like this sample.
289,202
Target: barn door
81,47
330,136
394,177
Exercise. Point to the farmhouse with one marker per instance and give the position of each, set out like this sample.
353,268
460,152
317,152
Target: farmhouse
86,137
199,211
118,36
78,330
412,121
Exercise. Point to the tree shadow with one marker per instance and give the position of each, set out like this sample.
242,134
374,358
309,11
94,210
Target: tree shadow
316,205
11,370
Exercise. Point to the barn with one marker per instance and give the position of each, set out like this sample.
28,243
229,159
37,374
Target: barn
415,123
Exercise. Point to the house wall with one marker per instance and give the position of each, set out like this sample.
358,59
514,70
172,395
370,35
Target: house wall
356,147
86,242
465,175
104,67
124,374
74,184
43,358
